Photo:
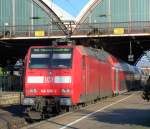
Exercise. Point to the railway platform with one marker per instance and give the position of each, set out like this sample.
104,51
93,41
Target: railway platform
127,111
12,116
7,98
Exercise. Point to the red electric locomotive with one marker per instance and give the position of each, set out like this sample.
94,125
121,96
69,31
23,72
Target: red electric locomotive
59,77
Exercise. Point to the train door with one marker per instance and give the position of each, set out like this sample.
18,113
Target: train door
116,81
84,79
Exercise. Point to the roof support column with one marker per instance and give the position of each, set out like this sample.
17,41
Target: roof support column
109,15
13,15
32,15
130,18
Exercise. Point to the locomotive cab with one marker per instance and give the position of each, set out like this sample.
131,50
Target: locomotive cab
48,78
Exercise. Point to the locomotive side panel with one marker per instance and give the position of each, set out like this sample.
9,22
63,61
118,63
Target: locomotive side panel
88,85
92,72
97,78
78,88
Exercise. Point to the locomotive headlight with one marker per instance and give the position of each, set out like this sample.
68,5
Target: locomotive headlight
33,90
28,101
65,91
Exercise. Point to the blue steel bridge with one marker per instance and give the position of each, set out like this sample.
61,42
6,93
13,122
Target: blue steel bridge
119,26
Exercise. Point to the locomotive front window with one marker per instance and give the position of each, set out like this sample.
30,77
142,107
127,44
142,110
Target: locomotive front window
61,59
39,60
50,58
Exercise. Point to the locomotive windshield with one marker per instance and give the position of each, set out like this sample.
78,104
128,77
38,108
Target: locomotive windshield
51,58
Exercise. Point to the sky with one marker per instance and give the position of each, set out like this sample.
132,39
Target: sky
71,6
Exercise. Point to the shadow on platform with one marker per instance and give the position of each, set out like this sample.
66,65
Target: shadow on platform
14,110
12,117
124,116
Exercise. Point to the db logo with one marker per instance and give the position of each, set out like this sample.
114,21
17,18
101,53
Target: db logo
48,79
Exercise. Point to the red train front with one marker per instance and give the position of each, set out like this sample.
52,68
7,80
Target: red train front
49,77
60,77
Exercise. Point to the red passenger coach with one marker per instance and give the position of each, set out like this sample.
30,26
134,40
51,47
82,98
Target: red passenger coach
59,77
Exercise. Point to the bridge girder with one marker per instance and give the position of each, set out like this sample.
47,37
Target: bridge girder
52,14
83,15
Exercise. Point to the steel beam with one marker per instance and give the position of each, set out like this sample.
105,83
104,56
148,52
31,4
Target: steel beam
52,14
